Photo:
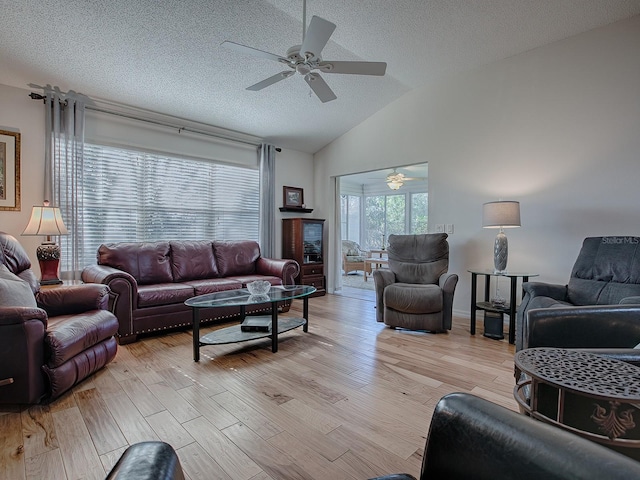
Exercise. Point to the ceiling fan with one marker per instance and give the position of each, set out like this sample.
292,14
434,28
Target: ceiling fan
305,59
396,179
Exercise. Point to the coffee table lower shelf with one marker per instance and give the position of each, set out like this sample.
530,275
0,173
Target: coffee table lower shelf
234,334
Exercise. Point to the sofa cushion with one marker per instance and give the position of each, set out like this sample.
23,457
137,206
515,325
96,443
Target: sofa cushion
69,335
163,294
14,292
147,262
236,258
204,286
192,260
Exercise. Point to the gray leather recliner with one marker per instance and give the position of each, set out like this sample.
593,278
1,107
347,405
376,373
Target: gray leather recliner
604,284
416,292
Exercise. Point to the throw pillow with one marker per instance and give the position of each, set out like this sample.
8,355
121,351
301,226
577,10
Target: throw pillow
15,292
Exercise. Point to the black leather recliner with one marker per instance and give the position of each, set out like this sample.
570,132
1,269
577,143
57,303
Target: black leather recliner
604,284
471,438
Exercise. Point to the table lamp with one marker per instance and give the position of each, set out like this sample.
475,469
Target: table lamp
501,214
47,221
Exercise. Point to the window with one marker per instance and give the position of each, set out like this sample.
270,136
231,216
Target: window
350,217
135,196
419,213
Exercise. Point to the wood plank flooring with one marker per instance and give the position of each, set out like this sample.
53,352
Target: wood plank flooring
350,399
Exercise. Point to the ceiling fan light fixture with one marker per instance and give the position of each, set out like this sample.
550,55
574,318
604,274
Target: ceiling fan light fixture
303,69
395,180
395,184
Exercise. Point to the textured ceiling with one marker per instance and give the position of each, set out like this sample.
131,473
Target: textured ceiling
165,55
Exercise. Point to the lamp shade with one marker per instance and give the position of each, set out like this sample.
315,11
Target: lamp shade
45,220
501,214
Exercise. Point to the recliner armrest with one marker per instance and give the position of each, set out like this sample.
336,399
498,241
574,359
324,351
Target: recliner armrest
630,300
151,460
593,326
382,278
17,315
539,289
73,299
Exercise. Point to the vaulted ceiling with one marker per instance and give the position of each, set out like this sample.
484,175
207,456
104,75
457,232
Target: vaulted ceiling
165,55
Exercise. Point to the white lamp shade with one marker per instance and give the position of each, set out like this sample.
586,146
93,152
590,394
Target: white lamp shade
501,214
45,220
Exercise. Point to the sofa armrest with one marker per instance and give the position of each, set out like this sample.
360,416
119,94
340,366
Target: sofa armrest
286,269
382,278
124,289
593,326
73,299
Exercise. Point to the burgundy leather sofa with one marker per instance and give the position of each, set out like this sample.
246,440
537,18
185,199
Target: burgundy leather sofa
50,339
151,280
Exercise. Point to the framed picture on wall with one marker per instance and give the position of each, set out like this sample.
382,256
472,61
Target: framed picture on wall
9,171
293,197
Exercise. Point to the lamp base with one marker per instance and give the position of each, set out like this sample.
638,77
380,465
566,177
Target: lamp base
49,259
500,253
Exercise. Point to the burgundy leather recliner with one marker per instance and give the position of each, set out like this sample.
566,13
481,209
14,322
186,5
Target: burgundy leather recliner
46,350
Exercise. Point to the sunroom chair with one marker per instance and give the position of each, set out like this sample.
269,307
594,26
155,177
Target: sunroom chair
353,257
604,285
416,292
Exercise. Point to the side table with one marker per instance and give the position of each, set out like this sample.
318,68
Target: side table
509,308
590,395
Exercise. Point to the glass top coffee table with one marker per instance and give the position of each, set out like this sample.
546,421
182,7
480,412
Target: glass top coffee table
242,298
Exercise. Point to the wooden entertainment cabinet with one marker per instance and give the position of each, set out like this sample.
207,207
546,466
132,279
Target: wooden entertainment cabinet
303,241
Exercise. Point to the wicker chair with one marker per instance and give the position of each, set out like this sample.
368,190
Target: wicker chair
353,257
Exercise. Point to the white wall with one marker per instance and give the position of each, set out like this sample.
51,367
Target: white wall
557,128
18,113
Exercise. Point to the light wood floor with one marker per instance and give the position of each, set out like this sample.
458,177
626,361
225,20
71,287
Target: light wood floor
351,399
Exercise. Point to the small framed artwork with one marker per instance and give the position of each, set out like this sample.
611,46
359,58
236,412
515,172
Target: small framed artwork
293,197
9,171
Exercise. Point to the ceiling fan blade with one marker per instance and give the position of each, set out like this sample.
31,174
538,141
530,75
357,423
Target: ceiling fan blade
270,81
320,87
355,68
253,51
316,37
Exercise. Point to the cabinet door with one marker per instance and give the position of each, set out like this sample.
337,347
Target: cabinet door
312,241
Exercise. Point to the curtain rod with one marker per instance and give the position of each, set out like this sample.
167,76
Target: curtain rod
37,96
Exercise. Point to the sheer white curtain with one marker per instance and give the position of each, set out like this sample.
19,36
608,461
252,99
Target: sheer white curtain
267,200
64,152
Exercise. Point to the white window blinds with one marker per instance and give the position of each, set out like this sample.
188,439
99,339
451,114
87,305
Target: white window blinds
134,196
